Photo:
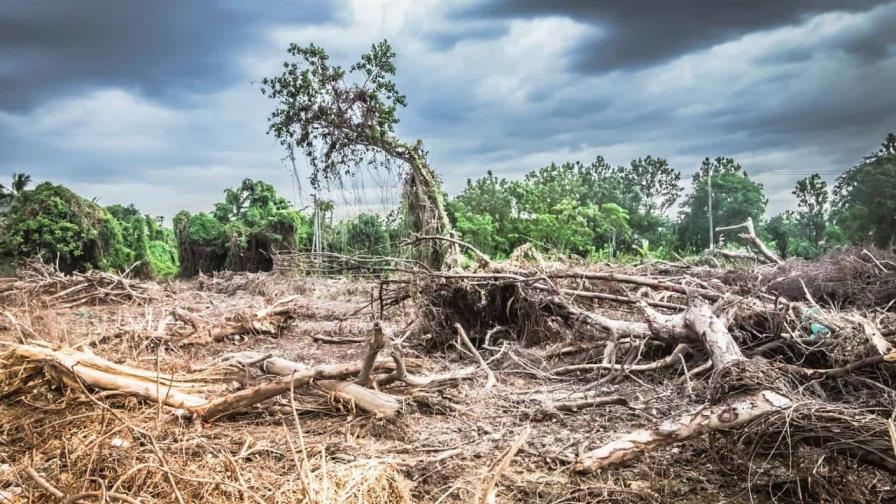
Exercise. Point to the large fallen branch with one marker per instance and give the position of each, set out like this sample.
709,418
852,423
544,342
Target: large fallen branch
268,321
733,372
74,368
732,414
379,403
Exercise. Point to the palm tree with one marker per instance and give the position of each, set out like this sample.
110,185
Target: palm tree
20,182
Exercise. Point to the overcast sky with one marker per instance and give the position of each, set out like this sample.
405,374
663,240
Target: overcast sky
157,103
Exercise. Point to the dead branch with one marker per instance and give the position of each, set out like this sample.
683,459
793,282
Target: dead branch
336,340
268,321
750,237
376,343
376,402
733,414
486,488
490,382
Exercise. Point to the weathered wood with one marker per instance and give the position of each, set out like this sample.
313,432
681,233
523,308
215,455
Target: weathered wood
734,413
750,237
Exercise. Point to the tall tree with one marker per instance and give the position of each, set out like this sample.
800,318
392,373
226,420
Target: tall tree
812,201
343,121
483,214
657,182
735,196
865,198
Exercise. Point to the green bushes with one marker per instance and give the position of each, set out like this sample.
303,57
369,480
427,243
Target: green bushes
57,225
242,233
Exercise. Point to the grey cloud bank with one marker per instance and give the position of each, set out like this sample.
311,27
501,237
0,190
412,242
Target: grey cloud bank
154,103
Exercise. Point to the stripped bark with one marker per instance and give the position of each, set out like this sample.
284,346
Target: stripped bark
732,414
750,237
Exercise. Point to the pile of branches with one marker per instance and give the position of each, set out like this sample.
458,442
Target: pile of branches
759,367
44,285
222,389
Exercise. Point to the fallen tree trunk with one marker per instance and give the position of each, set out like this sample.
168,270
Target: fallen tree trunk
253,395
735,413
379,403
75,368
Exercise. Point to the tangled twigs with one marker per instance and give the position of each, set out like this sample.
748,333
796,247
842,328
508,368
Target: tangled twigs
269,321
40,283
61,497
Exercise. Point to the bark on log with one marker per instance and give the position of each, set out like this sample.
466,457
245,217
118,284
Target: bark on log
712,332
376,343
75,367
733,414
379,403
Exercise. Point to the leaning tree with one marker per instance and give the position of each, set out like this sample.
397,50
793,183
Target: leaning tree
342,121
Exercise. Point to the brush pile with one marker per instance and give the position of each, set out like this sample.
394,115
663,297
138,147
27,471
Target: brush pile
520,381
42,284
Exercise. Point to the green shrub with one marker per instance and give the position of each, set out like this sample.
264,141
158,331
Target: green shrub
57,225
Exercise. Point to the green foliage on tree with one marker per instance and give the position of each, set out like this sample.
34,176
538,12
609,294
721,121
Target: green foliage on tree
483,214
343,121
19,183
153,244
242,233
812,207
735,197
656,181
790,236
865,199
57,225
366,234
569,208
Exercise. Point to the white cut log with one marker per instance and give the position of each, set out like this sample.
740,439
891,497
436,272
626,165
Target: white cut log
733,414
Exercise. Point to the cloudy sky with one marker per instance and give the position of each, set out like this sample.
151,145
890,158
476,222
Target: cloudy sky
157,103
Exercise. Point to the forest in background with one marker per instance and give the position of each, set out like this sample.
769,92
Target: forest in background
591,210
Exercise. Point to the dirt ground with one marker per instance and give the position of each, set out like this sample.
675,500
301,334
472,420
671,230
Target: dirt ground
436,450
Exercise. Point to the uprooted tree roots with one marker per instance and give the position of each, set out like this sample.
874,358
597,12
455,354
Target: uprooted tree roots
781,370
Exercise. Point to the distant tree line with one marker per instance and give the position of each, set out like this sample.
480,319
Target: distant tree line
592,210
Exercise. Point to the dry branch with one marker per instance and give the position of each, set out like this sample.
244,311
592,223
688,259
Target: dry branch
750,237
42,284
71,367
735,413
376,402
268,321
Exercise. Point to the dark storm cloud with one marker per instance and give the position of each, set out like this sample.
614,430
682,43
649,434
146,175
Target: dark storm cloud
637,33
160,48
